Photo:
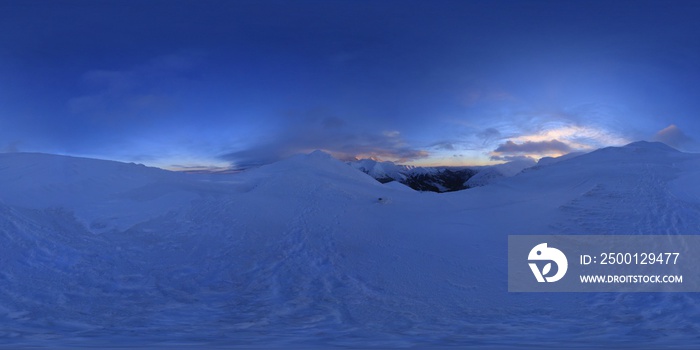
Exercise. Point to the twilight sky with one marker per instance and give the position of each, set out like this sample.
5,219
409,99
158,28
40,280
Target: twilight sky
181,84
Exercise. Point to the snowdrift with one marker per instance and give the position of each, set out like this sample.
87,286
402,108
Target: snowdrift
303,253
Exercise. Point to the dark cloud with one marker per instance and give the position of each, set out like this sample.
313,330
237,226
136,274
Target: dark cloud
307,132
674,137
532,147
130,95
488,135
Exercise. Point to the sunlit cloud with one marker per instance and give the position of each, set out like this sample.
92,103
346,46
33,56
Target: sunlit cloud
554,139
526,133
513,158
675,137
578,137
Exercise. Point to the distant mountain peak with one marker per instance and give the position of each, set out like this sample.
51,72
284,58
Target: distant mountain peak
440,179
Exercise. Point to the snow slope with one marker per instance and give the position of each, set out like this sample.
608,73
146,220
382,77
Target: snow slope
493,173
302,253
106,195
551,160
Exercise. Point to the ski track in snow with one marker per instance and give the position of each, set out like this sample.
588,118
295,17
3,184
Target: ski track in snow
303,254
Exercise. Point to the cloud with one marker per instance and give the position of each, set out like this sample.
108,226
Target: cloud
674,137
488,135
541,147
305,132
114,97
576,136
109,89
392,134
512,158
581,127
444,146
510,151
478,96
198,168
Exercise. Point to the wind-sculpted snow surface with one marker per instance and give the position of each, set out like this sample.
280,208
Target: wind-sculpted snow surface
304,253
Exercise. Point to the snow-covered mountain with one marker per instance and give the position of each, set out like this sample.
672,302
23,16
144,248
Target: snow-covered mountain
388,171
309,252
434,179
551,160
492,173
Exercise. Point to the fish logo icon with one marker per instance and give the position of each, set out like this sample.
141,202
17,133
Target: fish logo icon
553,255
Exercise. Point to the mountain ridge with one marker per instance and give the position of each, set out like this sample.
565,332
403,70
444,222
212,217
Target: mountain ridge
312,246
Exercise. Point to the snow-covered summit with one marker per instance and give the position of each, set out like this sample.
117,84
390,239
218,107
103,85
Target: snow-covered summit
641,151
388,170
305,172
650,146
317,164
552,160
634,151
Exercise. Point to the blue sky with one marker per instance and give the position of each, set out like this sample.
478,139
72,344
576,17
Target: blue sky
181,84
